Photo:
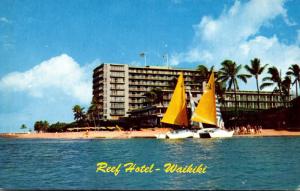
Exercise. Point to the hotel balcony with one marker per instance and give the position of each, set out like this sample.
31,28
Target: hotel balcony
117,107
149,84
136,95
121,75
117,112
151,78
117,81
139,89
136,101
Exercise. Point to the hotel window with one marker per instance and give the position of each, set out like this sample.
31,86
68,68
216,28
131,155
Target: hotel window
117,74
117,67
117,105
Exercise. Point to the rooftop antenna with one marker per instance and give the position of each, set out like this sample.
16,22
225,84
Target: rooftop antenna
143,55
166,56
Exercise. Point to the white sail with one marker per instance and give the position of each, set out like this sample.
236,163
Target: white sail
220,122
193,107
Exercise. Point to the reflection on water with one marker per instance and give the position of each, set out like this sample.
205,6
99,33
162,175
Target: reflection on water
237,163
207,144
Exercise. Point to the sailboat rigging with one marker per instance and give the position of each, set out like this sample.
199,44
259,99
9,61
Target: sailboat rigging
207,111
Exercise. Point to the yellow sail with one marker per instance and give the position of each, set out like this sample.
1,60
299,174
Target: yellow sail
206,109
176,113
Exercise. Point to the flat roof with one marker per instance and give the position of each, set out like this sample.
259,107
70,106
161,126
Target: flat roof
148,67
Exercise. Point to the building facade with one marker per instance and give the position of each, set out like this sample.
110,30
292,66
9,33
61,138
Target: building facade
119,89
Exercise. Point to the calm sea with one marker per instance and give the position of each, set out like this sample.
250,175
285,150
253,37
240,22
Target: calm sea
237,163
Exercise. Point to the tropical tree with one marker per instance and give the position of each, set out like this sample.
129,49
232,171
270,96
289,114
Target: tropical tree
154,96
93,110
204,71
294,71
23,127
45,125
172,83
58,127
273,79
220,91
286,87
255,69
37,126
41,126
78,113
229,74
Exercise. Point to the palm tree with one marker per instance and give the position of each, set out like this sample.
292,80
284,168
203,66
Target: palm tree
23,126
203,71
172,83
220,91
45,125
154,96
286,87
41,126
255,70
91,111
294,71
273,79
94,110
78,113
38,126
230,73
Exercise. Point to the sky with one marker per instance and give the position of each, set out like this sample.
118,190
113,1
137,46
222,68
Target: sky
49,48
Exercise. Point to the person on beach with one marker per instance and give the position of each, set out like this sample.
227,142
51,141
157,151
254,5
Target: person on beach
248,129
259,129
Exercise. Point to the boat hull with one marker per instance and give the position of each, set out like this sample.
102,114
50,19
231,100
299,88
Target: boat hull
161,136
201,133
177,134
212,133
221,133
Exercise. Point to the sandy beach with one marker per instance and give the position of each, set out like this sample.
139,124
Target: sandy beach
272,133
144,133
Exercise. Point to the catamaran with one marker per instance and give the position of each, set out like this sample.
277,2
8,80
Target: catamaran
207,111
176,113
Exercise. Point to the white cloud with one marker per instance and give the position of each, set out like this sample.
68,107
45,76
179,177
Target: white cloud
235,35
53,78
298,37
4,20
135,63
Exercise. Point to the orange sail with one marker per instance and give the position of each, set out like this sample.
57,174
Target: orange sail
206,109
176,113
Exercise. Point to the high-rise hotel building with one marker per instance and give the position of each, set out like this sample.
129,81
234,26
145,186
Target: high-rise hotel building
120,88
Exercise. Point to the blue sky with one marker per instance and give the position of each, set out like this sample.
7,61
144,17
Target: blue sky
49,48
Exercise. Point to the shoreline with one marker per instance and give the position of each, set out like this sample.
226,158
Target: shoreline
144,133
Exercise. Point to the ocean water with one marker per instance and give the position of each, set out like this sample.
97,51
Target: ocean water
236,163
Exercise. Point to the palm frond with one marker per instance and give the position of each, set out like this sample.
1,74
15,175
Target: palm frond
262,69
236,85
243,78
250,70
229,85
264,85
238,68
267,79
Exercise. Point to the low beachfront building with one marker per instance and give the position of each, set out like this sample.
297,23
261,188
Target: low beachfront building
119,90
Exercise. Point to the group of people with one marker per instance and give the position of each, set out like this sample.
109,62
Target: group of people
248,129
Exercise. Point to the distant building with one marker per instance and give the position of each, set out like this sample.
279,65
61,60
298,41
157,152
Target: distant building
119,89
